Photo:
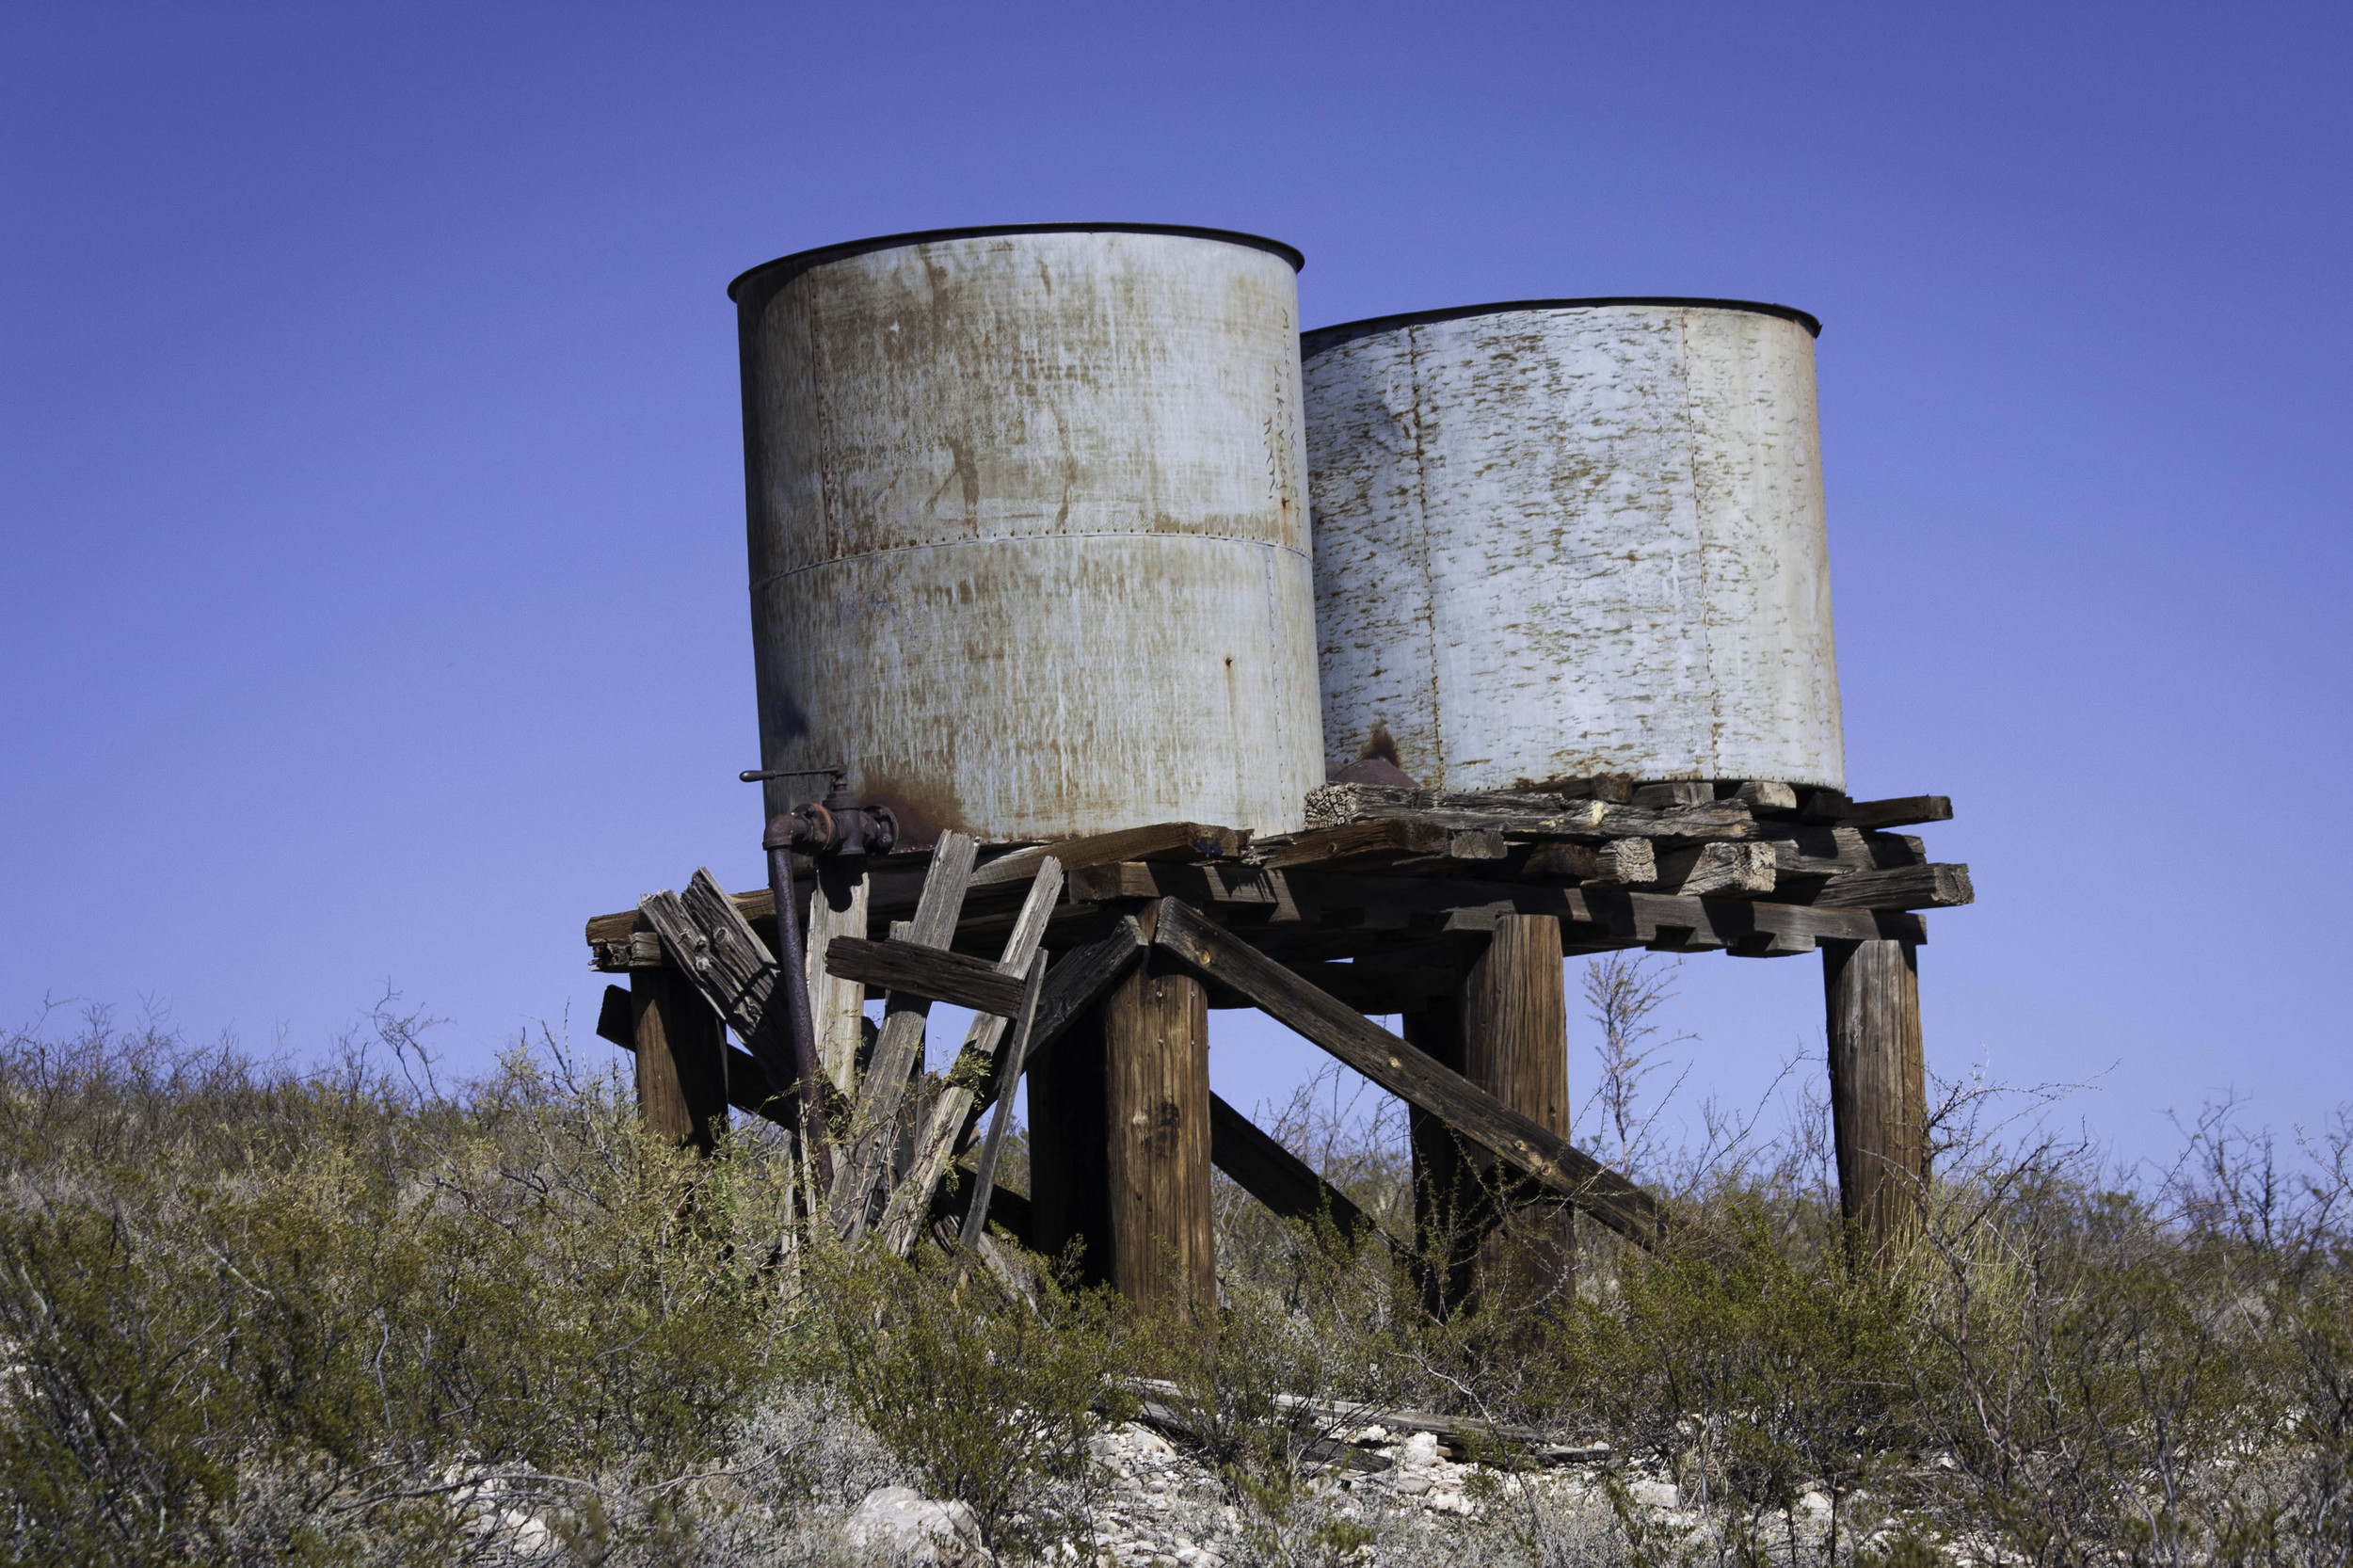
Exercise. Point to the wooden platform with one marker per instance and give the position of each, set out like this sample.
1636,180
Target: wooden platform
1465,904
1391,872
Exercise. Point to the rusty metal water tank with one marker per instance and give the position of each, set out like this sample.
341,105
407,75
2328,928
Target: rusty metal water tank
1562,537
1029,527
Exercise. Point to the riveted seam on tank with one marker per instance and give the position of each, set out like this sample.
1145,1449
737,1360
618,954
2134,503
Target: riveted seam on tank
759,584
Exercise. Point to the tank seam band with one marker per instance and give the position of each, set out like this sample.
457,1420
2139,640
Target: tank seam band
760,582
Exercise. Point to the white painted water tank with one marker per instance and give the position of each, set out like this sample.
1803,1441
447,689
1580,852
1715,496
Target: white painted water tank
1028,525
1555,538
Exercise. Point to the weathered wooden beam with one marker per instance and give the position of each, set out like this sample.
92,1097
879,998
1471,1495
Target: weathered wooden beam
1230,886
1628,862
1676,791
1767,798
682,1065
744,1079
899,1045
1168,841
1405,1072
1288,1185
1528,816
1799,852
837,907
934,973
1355,844
1900,812
1934,887
1739,869
950,1123
708,942
1008,1072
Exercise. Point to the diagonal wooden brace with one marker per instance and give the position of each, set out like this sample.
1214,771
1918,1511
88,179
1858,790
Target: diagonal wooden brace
1409,1074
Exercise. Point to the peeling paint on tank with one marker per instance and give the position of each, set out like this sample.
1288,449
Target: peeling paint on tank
1559,540
1029,544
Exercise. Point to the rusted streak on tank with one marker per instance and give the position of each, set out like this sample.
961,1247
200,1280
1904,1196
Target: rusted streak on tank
1553,542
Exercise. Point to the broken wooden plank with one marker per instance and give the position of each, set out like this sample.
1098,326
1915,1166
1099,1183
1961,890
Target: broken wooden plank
710,942
1933,887
1409,1074
934,973
1902,811
1288,1185
1008,1073
1168,841
901,1043
1741,870
950,1124
1631,862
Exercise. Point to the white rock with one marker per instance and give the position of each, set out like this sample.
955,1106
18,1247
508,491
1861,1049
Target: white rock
1813,1509
1419,1449
1411,1485
1656,1494
906,1527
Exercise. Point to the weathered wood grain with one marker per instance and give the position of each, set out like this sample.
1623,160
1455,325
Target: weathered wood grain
1288,1185
1355,844
1740,870
1932,887
1766,798
837,907
1878,1084
1628,862
899,1045
1156,1130
1168,841
708,942
1528,816
1799,852
681,1061
934,973
1676,791
1900,812
1405,1072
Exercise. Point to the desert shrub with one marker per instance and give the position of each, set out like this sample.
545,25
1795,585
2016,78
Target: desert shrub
987,1392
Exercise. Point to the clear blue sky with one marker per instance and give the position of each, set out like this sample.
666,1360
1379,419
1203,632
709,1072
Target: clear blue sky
370,468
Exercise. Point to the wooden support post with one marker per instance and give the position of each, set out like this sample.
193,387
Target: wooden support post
1120,1132
681,1058
1156,1104
1515,1045
1878,1088
1507,1033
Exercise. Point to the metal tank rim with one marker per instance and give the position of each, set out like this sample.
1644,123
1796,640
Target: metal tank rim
784,268
1317,339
